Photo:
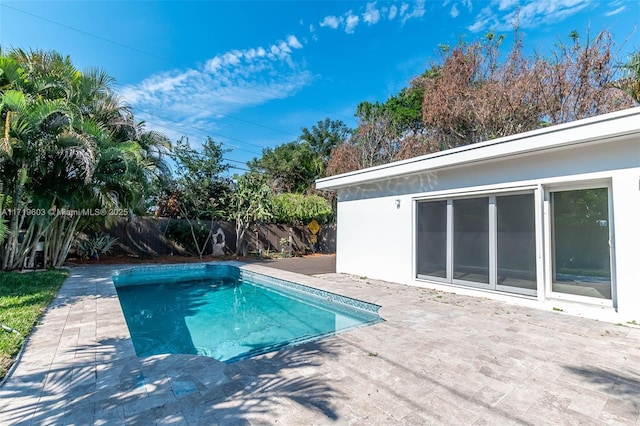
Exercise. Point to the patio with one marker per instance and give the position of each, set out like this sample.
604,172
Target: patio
438,358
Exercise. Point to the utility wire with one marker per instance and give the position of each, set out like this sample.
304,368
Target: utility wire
84,32
201,155
254,123
199,129
233,147
167,60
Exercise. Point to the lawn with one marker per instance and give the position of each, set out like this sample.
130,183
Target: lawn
23,298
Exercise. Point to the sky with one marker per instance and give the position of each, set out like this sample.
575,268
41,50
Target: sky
251,74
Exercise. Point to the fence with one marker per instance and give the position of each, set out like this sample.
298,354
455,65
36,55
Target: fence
148,236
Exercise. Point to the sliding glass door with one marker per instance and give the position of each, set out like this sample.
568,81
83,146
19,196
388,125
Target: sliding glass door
487,242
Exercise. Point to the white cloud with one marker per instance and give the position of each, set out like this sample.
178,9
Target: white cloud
501,15
331,22
293,42
393,11
454,11
403,9
507,4
616,11
227,82
371,15
418,11
351,23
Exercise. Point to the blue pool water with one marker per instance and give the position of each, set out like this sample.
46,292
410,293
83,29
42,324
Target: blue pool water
225,313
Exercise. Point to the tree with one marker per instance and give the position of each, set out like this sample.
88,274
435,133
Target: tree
576,81
68,144
375,141
290,167
199,191
474,95
294,166
344,158
322,138
630,81
32,135
249,203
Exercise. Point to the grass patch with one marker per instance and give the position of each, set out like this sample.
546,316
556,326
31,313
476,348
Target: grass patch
23,298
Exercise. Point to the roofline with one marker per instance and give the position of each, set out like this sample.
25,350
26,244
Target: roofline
566,134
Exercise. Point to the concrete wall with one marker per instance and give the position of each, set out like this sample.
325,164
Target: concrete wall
376,237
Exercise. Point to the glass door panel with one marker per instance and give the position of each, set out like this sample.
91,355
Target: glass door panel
431,240
516,243
471,240
581,252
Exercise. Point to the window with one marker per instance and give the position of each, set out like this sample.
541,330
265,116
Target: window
580,233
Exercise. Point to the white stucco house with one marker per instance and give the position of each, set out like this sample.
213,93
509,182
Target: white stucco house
549,218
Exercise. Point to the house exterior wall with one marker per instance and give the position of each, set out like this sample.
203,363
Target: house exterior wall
376,237
626,216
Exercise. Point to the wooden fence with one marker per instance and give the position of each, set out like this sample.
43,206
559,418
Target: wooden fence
148,236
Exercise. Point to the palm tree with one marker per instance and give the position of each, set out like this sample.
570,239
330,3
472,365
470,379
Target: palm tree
68,142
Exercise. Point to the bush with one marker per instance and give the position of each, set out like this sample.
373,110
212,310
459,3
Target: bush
180,233
93,247
299,208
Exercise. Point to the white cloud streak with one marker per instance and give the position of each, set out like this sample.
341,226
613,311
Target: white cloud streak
371,15
418,11
616,11
501,15
227,82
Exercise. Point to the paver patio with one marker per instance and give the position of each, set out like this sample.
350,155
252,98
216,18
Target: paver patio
438,358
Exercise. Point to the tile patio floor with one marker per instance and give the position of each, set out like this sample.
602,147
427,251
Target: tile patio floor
439,358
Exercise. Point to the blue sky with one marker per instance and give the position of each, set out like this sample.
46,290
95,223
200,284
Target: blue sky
252,74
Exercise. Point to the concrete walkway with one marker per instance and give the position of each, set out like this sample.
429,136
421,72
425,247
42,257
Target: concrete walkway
439,358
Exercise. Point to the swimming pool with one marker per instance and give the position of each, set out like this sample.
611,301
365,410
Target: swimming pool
228,313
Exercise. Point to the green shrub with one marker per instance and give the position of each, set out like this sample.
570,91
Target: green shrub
93,247
300,209
180,233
